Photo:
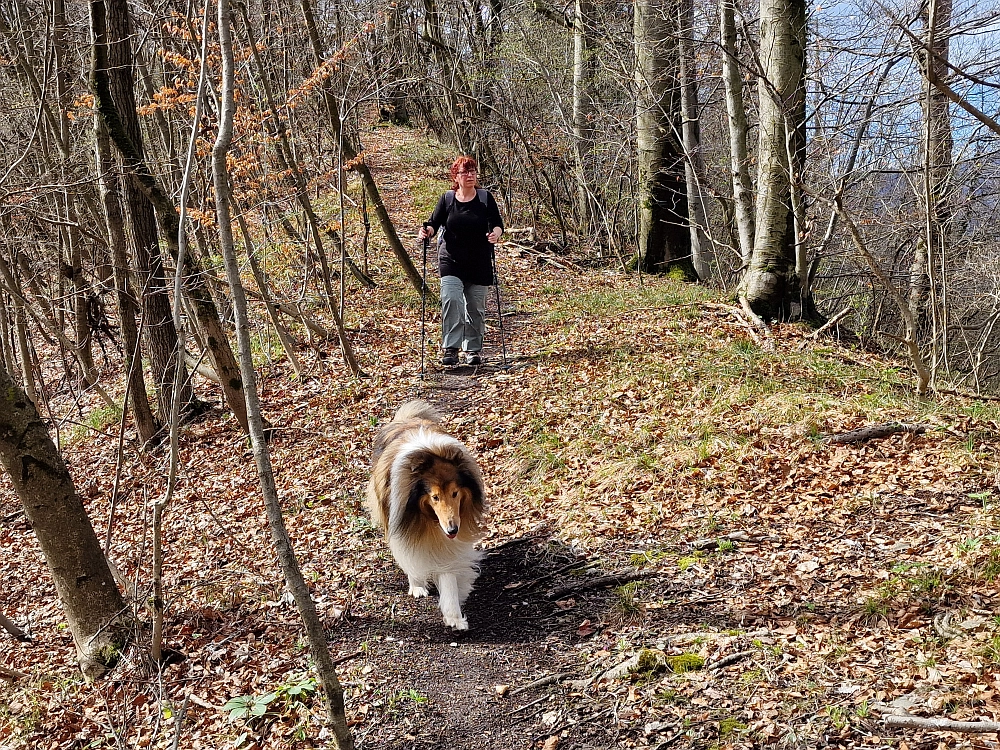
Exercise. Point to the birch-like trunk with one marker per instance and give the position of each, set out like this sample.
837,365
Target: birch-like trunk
664,241
294,580
739,158
694,163
771,283
926,283
583,109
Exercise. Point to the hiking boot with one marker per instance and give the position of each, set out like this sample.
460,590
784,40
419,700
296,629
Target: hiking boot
449,357
473,358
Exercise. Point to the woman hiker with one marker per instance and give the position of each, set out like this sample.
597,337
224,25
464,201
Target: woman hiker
472,225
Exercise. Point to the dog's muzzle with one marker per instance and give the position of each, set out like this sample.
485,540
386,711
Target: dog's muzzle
451,531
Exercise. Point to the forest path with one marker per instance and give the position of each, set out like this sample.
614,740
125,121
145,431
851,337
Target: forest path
637,430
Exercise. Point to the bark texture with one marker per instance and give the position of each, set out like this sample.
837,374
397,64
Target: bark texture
111,27
664,241
739,162
771,284
97,616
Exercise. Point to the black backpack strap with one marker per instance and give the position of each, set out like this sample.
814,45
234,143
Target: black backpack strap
482,193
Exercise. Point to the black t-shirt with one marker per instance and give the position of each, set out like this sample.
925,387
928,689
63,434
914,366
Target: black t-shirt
463,249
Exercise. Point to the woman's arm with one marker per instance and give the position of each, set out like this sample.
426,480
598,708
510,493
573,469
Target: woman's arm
438,217
493,219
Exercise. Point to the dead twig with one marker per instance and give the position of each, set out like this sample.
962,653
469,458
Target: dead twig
342,659
727,661
11,675
737,536
966,394
547,680
14,630
527,586
825,327
615,579
516,541
942,725
875,432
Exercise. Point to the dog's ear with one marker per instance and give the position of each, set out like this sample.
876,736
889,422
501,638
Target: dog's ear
417,490
419,462
468,480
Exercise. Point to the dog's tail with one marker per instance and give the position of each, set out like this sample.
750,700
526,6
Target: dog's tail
416,410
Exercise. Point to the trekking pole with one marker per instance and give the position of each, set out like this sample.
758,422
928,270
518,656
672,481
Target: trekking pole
496,287
423,308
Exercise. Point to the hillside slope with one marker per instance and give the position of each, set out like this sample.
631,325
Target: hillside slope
660,486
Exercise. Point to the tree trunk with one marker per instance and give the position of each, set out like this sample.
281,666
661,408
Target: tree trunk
116,68
694,163
583,109
145,422
286,555
81,303
202,304
664,241
739,159
24,350
771,284
96,613
926,286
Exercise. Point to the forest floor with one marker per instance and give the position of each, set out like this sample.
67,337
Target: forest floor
676,556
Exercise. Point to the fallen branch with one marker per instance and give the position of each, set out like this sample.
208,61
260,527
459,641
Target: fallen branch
11,675
615,579
736,536
826,326
547,680
874,432
14,630
942,725
727,661
738,313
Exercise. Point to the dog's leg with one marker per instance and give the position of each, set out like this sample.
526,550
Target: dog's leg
418,589
465,581
451,607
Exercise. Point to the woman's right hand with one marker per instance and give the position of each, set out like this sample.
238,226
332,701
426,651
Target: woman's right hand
426,232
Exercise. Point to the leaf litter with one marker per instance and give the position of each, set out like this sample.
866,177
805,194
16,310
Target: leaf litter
661,499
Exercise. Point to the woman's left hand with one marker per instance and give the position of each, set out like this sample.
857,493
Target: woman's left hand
494,236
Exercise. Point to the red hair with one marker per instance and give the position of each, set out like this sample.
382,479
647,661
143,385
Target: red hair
462,164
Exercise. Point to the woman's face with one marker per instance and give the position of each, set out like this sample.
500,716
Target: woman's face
467,177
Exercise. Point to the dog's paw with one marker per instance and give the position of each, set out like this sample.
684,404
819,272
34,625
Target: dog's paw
456,622
418,592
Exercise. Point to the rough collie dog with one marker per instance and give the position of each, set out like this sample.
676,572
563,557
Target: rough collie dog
426,493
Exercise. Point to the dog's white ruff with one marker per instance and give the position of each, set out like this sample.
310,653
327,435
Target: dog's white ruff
452,567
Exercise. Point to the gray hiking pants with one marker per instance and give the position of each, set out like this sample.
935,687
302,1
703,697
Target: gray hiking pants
463,314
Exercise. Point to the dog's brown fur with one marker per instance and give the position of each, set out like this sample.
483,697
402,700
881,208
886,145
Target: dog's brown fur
443,484
426,493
